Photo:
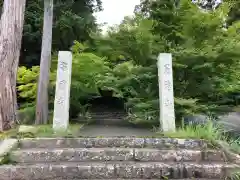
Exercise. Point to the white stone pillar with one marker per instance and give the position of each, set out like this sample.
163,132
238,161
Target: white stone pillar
166,97
62,93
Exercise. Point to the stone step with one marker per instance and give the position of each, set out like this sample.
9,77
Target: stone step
102,114
107,117
151,179
108,112
160,143
114,154
114,170
108,121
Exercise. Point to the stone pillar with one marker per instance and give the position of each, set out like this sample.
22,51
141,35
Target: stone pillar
62,94
166,97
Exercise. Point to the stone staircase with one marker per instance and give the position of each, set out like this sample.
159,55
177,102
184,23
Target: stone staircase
105,117
115,158
107,110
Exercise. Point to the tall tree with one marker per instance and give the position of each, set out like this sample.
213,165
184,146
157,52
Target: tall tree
42,95
164,15
12,21
73,20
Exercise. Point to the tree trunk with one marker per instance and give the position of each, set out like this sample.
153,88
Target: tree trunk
43,82
11,24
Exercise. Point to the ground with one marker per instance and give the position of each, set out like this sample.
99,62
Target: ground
111,131
77,130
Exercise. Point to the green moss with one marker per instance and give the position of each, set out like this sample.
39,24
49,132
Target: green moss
6,160
47,131
42,131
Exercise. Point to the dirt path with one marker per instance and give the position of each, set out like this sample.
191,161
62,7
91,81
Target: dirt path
111,131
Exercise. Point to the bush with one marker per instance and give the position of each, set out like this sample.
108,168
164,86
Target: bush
26,115
27,79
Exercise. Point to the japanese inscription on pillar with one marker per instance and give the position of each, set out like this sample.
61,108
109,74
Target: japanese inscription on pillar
166,96
62,93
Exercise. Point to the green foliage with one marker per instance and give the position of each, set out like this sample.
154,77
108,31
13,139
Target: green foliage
89,72
26,115
206,60
27,82
206,57
27,79
234,8
73,20
234,13
208,132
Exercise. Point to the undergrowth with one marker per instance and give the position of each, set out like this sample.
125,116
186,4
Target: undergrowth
210,131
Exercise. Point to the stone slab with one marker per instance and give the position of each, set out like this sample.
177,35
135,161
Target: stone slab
131,170
181,155
160,143
153,179
166,97
114,154
128,179
73,155
62,94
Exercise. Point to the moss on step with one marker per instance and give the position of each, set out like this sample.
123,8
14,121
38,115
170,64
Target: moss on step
7,159
6,146
41,131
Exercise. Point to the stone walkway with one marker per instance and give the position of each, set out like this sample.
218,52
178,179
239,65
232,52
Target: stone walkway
113,131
